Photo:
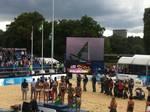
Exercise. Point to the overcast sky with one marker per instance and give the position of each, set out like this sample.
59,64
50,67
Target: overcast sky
111,14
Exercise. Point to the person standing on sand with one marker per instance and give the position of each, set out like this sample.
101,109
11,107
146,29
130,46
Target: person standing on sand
111,85
54,88
78,94
131,86
39,88
33,89
24,88
148,89
113,105
94,83
46,90
85,81
147,109
70,91
130,106
102,79
79,79
62,88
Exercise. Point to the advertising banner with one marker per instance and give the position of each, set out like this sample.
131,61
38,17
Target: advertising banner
85,49
19,80
84,55
79,68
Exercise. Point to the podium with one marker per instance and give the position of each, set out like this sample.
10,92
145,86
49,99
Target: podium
56,107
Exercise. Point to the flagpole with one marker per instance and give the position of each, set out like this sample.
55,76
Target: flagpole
52,39
88,52
42,44
32,49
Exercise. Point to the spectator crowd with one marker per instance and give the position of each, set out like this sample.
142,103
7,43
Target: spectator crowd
15,62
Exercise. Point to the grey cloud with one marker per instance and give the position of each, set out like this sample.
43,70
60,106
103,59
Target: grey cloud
111,13
136,29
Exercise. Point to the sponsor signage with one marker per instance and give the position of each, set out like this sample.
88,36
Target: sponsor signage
80,68
19,80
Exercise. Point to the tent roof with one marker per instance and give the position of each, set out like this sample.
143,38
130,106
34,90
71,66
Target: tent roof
141,60
49,60
125,60
141,56
135,60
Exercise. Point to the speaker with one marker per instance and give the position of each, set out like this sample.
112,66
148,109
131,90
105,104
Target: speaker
26,107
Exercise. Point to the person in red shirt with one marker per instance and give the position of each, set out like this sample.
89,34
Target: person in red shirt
147,109
120,88
111,85
113,105
130,106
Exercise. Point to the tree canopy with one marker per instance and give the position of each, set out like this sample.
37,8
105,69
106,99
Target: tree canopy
118,45
18,35
147,30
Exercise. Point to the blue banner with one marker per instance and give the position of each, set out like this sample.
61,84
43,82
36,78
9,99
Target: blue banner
17,80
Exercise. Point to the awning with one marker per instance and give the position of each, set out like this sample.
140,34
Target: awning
140,61
125,60
135,60
49,60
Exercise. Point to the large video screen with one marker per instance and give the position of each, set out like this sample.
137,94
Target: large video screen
85,49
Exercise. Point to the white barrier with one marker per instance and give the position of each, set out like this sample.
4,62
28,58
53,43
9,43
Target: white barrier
19,80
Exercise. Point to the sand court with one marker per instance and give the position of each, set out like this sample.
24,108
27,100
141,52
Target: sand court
94,102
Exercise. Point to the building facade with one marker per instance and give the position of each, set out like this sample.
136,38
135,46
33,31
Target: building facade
120,32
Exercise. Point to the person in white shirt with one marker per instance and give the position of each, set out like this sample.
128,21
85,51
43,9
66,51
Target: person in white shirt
33,83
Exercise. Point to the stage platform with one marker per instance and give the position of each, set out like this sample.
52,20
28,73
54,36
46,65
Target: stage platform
60,108
72,110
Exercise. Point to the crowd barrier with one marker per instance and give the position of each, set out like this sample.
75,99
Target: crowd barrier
19,80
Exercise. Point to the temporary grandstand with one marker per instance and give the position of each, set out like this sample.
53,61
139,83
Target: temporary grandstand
17,62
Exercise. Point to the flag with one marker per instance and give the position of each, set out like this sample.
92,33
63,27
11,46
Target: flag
50,36
32,33
41,27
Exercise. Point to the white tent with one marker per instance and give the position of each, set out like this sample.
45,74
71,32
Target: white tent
143,60
125,60
49,60
135,60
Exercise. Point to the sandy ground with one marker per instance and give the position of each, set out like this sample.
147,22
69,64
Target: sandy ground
94,102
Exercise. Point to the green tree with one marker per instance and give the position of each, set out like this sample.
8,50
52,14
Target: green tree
147,30
90,27
1,37
128,45
107,45
85,27
135,43
19,32
137,49
119,45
